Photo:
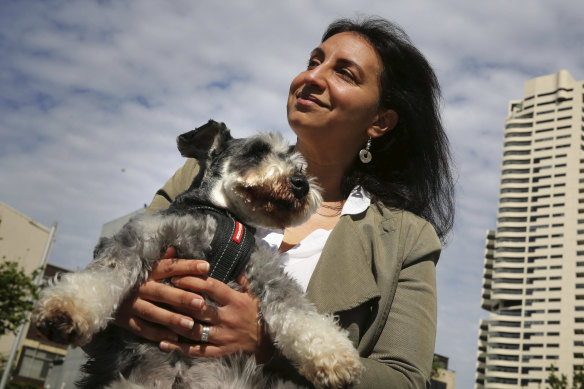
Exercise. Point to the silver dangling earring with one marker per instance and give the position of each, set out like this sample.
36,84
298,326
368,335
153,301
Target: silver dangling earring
365,155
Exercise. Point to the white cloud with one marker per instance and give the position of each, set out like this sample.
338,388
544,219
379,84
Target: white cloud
89,89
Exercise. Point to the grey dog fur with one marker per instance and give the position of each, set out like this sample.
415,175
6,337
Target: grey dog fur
79,308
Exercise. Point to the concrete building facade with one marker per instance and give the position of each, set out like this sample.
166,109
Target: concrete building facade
24,241
533,281
445,378
65,374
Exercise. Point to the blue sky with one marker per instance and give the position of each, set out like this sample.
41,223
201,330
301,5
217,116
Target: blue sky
93,94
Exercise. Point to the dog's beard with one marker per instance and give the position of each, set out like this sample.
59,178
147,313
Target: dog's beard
270,203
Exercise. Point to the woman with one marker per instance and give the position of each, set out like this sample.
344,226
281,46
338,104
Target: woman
365,112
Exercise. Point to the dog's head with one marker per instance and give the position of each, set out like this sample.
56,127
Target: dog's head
258,178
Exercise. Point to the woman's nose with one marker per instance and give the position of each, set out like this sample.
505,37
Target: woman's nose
315,76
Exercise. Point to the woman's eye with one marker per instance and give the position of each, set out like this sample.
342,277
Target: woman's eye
312,63
347,74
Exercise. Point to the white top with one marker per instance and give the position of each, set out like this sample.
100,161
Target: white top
299,262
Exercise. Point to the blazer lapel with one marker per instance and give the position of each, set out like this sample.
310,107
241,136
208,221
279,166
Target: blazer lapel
343,277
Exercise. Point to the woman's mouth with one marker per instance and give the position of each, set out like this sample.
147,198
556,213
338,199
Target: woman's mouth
309,100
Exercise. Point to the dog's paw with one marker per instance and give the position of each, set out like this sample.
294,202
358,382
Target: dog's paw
334,370
62,321
58,327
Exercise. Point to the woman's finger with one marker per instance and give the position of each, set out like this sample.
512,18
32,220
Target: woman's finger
145,310
194,349
178,298
207,314
127,320
170,252
202,349
170,267
196,334
218,291
149,331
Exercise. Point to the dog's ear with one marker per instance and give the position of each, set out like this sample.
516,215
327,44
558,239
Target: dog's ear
202,142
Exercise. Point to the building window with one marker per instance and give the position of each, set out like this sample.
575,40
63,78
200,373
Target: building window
437,385
545,112
544,139
516,171
515,180
36,363
514,199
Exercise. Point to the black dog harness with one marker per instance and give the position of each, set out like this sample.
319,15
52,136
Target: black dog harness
231,246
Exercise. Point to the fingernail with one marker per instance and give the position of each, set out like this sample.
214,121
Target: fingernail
203,266
186,323
164,346
197,303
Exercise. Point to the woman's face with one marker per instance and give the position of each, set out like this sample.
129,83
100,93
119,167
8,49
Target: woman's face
335,100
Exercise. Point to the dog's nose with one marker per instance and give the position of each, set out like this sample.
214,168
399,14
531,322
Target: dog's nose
299,186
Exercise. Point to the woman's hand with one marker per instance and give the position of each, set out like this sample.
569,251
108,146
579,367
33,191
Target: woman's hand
140,315
233,325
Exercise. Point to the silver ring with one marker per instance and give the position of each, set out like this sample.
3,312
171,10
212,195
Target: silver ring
205,334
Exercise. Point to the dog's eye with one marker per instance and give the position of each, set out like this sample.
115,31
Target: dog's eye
257,150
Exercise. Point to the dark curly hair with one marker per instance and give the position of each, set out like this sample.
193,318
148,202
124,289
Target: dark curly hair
411,166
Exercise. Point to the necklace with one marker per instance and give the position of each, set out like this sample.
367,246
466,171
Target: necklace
336,209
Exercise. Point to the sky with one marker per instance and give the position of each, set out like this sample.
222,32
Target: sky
94,93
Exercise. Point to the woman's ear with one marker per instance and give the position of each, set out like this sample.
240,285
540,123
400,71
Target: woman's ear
386,120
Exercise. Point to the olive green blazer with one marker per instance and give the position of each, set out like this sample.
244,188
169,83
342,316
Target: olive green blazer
377,274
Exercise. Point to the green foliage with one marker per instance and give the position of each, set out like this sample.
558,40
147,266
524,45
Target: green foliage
555,382
435,367
17,294
578,378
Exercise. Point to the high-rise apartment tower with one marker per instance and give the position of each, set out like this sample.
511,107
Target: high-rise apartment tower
533,283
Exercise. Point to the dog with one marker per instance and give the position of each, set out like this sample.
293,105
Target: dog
260,183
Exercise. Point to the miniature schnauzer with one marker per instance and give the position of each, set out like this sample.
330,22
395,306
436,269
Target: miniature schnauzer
262,184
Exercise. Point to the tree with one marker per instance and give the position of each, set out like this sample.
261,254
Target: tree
17,294
556,382
435,367
561,382
578,378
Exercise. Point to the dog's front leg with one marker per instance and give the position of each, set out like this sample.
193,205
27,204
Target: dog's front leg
316,345
313,342
80,304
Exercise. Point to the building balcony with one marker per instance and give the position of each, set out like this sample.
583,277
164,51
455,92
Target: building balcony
503,268
504,325
500,358
504,339
502,372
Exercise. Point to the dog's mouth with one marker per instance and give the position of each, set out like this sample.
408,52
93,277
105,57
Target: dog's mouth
282,201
